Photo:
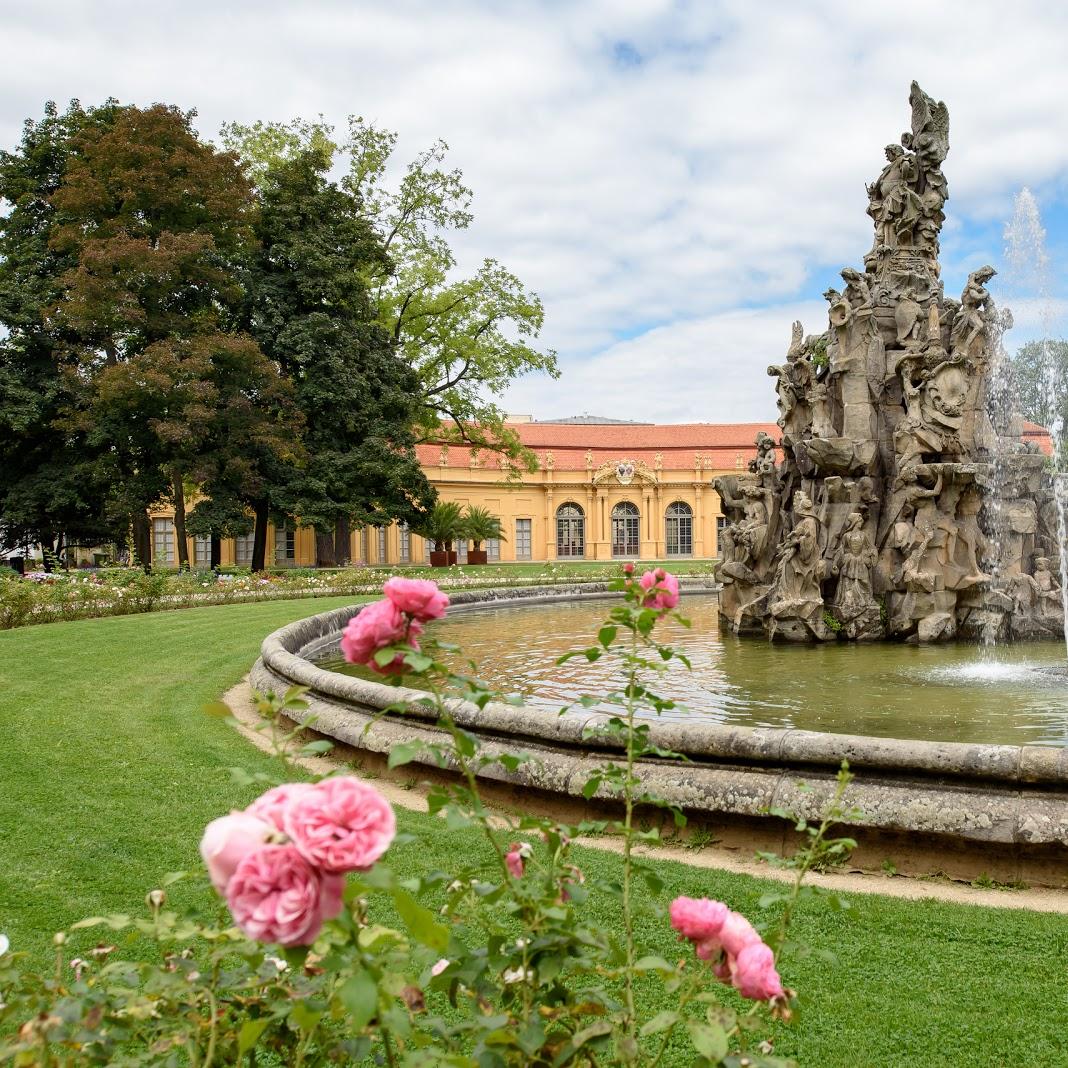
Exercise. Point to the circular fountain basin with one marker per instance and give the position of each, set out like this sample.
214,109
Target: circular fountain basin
1012,695
769,729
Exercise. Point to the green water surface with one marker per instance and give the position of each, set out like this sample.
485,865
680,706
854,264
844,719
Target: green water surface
1012,695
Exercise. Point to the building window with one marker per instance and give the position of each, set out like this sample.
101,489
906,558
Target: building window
461,551
381,532
285,549
162,542
243,544
202,551
522,539
678,529
626,533
721,526
570,530
405,543
493,548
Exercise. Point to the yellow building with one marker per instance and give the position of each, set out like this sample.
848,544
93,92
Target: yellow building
604,490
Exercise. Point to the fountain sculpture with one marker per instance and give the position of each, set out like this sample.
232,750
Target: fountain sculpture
906,504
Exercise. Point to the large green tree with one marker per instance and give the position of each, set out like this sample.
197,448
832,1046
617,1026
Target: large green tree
51,484
467,338
310,310
154,221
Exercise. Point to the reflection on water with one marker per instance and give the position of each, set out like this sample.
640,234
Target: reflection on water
943,693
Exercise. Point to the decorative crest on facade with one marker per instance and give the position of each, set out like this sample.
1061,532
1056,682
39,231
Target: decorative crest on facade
624,471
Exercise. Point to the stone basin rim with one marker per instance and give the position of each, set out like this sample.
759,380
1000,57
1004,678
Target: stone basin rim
285,654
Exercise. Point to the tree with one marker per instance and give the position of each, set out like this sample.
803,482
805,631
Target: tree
466,338
153,222
480,524
51,484
309,308
1041,372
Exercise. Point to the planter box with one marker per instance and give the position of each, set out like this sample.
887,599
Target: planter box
476,556
439,559
452,557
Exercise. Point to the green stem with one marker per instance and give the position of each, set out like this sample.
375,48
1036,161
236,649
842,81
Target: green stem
628,826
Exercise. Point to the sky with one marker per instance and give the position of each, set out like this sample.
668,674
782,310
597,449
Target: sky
677,181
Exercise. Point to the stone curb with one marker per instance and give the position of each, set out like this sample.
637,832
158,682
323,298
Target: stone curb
1012,795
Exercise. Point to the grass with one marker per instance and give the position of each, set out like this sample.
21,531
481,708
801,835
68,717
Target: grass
109,771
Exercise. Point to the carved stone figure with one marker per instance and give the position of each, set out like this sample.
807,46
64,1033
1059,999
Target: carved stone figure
976,310
853,564
797,579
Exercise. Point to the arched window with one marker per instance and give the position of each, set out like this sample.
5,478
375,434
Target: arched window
570,530
678,529
626,522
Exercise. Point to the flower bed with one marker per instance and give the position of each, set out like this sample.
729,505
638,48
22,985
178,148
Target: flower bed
43,597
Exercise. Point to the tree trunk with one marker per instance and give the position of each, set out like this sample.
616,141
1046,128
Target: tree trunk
216,552
142,539
259,539
324,549
48,542
179,523
342,540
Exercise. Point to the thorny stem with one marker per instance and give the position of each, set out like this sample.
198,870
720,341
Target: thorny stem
628,820
387,1045
831,813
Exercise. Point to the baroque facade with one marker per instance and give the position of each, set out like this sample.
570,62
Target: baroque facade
603,490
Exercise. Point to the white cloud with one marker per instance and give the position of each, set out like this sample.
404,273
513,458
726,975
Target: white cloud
643,165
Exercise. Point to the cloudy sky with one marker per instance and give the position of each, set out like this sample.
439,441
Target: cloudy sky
678,181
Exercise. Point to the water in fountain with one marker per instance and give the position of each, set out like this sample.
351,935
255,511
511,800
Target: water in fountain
1028,262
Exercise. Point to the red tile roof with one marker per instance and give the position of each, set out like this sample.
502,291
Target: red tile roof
677,444
1039,435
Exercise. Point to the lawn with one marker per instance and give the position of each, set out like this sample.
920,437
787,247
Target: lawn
109,771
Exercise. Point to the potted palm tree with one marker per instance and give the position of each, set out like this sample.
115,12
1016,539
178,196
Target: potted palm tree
480,525
441,525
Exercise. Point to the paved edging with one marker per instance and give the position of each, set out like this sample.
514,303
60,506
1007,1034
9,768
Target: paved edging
1013,796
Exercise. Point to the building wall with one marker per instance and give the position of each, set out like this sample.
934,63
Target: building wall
536,498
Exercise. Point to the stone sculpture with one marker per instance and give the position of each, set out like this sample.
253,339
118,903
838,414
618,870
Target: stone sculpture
878,513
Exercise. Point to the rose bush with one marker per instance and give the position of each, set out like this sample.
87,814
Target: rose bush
325,956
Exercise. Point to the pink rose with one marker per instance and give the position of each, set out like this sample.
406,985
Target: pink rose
340,824
628,568
228,840
419,598
271,806
753,973
737,933
376,626
277,896
698,918
513,859
661,589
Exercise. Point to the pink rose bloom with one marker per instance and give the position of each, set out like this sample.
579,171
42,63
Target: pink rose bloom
228,840
374,627
698,918
340,824
513,860
628,568
277,896
737,933
271,806
661,589
753,973
419,598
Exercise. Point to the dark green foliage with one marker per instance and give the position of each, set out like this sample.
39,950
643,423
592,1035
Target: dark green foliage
310,311
48,481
